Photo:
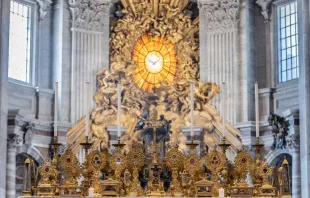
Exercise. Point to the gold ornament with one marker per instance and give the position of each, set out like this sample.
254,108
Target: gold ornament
71,169
243,162
215,162
135,160
96,161
49,174
118,163
267,189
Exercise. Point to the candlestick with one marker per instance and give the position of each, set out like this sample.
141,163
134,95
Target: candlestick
192,109
87,110
223,108
56,110
256,110
119,109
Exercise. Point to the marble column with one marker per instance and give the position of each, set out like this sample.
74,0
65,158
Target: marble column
4,49
218,49
13,142
90,50
304,93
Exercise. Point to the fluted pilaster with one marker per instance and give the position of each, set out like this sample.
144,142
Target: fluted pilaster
218,47
90,49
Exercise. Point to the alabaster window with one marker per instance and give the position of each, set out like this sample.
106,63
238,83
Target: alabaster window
21,41
287,42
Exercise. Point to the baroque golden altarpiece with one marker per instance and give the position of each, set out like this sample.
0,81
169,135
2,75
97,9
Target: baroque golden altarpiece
154,54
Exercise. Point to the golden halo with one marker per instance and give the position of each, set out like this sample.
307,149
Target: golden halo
156,62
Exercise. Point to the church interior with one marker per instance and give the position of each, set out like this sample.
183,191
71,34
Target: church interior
154,98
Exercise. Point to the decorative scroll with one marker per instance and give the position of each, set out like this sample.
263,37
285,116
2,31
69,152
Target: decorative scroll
264,4
45,5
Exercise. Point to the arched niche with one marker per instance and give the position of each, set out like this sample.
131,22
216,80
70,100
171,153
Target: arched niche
20,172
277,163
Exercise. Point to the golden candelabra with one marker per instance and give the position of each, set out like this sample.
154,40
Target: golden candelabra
86,172
191,165
225,184
55,145
257,177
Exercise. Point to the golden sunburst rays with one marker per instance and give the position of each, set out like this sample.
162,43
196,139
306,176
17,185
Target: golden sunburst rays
156,62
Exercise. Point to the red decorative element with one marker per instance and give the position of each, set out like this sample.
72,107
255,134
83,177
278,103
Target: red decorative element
265,170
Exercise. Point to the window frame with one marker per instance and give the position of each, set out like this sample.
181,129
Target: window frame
33,42
276,43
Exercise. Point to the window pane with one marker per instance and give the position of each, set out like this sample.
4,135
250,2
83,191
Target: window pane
283,76
293,40
288,43
283,43
294,73
19,42
289,64
289,74
294,51
283,33
283,65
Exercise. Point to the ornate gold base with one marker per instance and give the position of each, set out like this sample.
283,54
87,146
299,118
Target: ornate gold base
26,193
69,191
241,191
267,191
204,188
110,187
46,190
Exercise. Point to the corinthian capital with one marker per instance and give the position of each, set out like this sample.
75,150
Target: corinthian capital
264,4
89,14
44,5
220,14
14,140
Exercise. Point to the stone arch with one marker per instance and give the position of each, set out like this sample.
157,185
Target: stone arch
32,152
271,155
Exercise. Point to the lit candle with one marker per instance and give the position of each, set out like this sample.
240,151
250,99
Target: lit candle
223,108
87,110
91,192
192,108
118,110
256,110
56,110
221,192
